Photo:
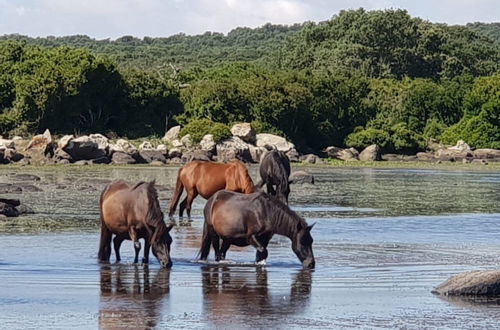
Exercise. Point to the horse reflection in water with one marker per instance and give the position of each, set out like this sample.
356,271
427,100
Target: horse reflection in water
129,298
244,297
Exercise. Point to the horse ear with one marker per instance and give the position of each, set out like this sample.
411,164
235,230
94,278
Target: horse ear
310,227
169,227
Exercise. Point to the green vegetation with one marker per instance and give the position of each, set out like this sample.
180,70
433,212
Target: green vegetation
362,77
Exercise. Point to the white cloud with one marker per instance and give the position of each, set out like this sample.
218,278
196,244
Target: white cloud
114,18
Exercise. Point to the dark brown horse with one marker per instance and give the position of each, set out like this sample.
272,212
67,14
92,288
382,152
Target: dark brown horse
205,179
252,220
133,212
274,171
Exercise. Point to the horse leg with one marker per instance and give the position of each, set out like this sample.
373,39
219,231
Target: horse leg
224,248
215,245
117,242
252,240
137,244
182,207
205,243
261,256
145,259
105,244
190,199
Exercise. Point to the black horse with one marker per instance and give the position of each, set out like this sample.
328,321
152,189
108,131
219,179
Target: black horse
274,171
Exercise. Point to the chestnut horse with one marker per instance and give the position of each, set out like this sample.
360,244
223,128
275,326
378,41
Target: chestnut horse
275,171
252,220
133,212
205,179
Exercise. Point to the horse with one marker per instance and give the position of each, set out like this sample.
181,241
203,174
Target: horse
275,171
205,179
252,220
133,212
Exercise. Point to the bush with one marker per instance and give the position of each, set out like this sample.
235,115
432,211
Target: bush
198,128
434,129
361,139
406,140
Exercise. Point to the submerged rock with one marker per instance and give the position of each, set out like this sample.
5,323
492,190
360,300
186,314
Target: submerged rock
475,283
298,177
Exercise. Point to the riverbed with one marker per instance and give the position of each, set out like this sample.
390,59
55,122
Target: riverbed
383,238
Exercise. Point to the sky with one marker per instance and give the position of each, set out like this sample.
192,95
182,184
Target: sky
103,19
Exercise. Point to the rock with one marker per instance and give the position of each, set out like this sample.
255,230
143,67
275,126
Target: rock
233,148
4,143
152,155
13,202
392,157
186,141
101,160
163,149
479,161
146,146
176,143
82,162
486,153
64,141
172,134
175,160
12,155
434,145
452,154
101,140
23,209
64,161
7,188
256,153
207,143
40,146
410,158
350,154
461,146
84,148
475,283
245,132
270,141
298,177
310,159
123,146
293,155
175,153
122,158
425,156
62,155
195,155
8,210
30,188
156,163
370,153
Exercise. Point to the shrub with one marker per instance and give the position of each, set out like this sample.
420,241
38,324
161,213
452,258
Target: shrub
406,140
198,128
361,139
434,129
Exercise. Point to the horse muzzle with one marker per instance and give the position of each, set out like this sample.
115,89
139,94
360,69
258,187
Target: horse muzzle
309,263
166,264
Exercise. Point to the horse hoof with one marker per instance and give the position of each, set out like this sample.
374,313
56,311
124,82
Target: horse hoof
261,263
144,261
137,245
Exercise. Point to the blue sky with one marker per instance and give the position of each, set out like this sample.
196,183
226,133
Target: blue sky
114,18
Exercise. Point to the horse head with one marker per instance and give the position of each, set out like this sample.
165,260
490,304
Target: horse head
302,245
160,244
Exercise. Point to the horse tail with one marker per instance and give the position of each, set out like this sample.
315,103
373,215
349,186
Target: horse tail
283,186
105,242
179,187
206,239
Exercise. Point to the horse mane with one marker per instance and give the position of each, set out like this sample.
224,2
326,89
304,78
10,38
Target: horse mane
286,221
154,217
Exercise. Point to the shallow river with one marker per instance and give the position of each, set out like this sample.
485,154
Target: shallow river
383,239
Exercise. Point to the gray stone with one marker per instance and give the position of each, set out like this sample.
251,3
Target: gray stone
175,153
310,159
152,155
146,146
350,154
425,156
486,153
207,143
186,141
163,149
233,148
195,155
83,148
271,141
122,158
475,283
299,177
370,153
64,141
245,132
4,143
172,134
123,146
293,155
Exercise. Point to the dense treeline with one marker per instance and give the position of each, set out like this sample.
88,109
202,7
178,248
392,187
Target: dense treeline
360,78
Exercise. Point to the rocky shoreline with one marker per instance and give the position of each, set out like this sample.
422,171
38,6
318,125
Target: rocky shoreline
244,144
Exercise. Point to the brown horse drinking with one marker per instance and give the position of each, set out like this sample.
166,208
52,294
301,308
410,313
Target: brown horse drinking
133,212
252,220
205,179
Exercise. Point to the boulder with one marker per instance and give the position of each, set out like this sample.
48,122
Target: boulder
122,158
256,153
101,140
486,153
425,156
64,141
298,177
152,155
450,154
461,146
175,153
157,163
475,283
370,153
245,132
350,154
392,157
84,148
233,148
271,141
175,160
479,161
207,143
310,159
41,144
146,146
60,155
12,155
123,146
293,155
176,143
172,134
4,143
8,210
163,149
7,188
195,155
101,160
186,141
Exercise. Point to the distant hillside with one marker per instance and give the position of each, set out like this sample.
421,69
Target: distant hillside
184,51
490,30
